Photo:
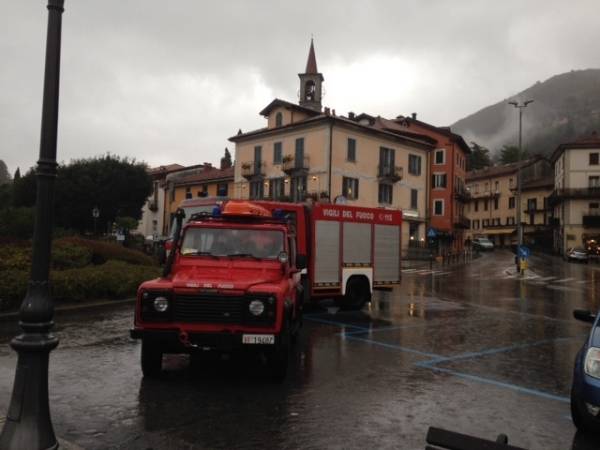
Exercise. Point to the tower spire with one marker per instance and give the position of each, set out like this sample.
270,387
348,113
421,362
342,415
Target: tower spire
311,63
310,82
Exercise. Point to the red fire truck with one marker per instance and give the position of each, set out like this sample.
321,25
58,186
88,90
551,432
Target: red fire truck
238,278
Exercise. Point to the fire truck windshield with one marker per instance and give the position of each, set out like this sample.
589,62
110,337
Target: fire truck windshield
232,242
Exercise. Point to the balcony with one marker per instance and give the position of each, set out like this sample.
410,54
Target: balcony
462,194
390,173
253,169
462,222
152,205
554,221
574,193
293,166
591,218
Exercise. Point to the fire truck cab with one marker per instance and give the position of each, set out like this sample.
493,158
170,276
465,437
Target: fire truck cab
230,284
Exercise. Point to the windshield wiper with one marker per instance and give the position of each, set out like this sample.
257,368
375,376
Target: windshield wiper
201,254
244,255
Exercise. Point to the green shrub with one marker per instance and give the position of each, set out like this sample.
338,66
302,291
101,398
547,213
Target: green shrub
17,222
115,279
105,251
64,256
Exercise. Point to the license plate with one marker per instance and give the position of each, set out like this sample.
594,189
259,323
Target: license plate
258,339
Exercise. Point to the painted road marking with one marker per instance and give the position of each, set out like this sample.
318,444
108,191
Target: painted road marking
408,270
564,280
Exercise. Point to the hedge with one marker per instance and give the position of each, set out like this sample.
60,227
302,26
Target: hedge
112,280
105,251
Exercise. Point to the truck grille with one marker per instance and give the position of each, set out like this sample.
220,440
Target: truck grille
209,308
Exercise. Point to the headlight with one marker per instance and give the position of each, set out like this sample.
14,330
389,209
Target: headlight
161,304
592,362
256,307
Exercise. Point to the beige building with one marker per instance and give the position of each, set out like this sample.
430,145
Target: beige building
492,208
576,199
305,151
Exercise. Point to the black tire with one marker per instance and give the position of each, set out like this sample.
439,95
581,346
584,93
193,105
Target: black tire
582,419
278,359
151,358
358,292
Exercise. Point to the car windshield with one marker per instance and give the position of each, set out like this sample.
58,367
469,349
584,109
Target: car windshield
232,242
485,241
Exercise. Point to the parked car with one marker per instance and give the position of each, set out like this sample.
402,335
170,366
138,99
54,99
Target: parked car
577,254
482,244
585,391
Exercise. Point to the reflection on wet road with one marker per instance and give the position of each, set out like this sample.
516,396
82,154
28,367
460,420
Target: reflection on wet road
469,348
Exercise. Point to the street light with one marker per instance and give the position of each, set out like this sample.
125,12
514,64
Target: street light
520,107
28,424
95,215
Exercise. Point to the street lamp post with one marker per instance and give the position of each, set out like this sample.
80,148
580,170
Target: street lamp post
520,107
28,424
95,215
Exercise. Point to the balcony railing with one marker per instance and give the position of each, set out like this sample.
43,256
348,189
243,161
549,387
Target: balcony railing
486,194
567,193
291,164
462,194
251,169
462,222
390,173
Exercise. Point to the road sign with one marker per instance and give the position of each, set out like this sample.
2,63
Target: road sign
431,233
524,252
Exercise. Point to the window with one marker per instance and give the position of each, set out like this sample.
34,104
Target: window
413,231
298,188
188,192
440,156
414,199
531,204
414,164
276,188
222,189
476,205
256,190
299,153
438,207
487,187
497,186
594,205
594,181
496,203
511,183
511,203
594,159
277,153
439,180
486,222
476,188
257,154
476,224
351,153
387,158
203,192
278,119
485,205
350,188
385,193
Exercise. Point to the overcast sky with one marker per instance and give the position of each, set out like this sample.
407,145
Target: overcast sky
169,81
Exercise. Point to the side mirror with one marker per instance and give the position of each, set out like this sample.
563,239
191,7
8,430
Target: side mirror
300,262
584,315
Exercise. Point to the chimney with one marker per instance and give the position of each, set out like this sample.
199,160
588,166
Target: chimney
414,116
333,112
327,111
351,115
207,165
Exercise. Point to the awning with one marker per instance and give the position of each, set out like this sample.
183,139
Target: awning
496,232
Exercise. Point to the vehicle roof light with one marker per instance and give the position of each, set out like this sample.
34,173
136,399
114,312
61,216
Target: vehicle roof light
216,212
278,213
242,208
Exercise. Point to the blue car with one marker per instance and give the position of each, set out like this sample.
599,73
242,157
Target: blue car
585,392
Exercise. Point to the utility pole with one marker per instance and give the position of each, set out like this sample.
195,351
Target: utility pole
520,107
28,424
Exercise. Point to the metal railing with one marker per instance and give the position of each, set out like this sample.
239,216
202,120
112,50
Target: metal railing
292,164
253,169
392,173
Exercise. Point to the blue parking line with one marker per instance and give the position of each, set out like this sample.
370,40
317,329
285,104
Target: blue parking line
392,346
494,351
500,384
334,322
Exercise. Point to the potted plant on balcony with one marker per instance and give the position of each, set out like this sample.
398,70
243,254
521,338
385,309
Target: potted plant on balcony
287,159
246,165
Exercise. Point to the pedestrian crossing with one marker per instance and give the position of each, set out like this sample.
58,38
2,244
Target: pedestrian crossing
551,282
423,272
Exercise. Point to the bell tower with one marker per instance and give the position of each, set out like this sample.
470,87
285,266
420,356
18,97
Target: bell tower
311,82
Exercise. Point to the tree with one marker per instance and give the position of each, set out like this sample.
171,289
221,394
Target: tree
17,175
510,154
4,174
479,157
117,186
226,160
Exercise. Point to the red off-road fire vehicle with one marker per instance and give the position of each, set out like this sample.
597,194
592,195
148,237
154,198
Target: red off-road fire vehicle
238,278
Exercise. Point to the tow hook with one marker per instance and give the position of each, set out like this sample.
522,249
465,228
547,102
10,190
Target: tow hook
185,340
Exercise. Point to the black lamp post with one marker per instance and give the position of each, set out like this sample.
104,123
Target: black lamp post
28,424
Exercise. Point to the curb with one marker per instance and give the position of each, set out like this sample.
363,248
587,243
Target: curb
4,317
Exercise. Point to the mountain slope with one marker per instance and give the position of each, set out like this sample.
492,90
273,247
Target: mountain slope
565,107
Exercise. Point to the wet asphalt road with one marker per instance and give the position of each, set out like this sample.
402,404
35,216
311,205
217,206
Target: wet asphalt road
468,348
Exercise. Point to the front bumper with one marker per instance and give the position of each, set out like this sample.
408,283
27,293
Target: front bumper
169,341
